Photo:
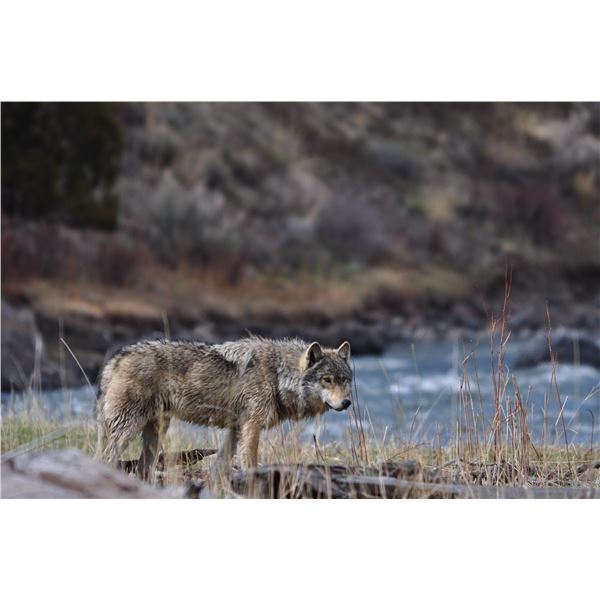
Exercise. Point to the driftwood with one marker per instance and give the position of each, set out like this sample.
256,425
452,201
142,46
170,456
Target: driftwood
185,457
586,466
323,481
70,473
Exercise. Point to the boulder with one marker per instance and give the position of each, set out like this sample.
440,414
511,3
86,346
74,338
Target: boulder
569,346
464,316
26,361
527,317
22,346
364,339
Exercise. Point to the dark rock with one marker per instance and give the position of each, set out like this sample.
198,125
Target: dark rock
31,358
586,318
527,317
91,364
148,336
76,332
465,316
567,345
364,338
22,346
204,332
25,360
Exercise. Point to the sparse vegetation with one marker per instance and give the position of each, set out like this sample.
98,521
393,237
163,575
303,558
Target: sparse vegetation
411,187
460,462
475,450
60,162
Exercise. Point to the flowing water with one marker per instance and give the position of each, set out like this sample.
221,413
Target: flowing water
414,391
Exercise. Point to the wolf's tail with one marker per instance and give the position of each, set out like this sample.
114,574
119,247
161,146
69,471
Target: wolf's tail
102,426
102,429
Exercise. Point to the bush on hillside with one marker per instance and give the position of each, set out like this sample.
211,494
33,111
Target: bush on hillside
59,162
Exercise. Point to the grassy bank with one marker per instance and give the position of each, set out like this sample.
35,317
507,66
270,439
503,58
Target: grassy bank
550,465
488,443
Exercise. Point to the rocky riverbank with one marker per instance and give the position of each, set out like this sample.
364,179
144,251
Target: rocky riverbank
34,355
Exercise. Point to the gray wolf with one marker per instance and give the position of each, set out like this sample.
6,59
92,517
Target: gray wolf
244,386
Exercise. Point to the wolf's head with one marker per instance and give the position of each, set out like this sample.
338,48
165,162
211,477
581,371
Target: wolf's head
326,376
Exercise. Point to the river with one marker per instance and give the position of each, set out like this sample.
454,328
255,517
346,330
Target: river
413,391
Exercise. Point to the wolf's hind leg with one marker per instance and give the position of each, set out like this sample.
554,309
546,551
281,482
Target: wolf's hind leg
119,432
152,436
149,455
115,446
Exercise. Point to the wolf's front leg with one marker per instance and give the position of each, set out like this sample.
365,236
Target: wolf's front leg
221,467
250,438
228,448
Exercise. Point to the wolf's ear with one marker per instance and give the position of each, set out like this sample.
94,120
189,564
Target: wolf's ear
313,354
344,351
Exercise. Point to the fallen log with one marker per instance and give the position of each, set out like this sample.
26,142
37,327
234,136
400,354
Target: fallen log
70,473
586,466
386,487
326,481
290,481
185,457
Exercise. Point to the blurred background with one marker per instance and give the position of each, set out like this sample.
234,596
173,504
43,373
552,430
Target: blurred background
379,223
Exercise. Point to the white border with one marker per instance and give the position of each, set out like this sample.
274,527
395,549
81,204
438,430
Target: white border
300,50
309,50
299,549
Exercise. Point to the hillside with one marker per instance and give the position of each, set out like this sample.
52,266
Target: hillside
367,221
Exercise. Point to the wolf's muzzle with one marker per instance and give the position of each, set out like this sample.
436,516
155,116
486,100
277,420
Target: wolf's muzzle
346,403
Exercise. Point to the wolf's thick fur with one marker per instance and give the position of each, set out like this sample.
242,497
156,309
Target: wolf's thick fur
244,386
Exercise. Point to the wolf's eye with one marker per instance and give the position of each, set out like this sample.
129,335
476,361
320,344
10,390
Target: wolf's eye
327,379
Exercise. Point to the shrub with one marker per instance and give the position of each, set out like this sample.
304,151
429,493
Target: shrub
353,230
60,160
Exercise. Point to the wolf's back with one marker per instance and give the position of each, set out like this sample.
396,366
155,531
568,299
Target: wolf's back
147,355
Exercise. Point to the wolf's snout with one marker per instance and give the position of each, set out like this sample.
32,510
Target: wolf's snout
346,403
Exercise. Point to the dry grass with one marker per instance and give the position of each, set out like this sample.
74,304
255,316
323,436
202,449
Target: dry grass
190,292
463,460
482,450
